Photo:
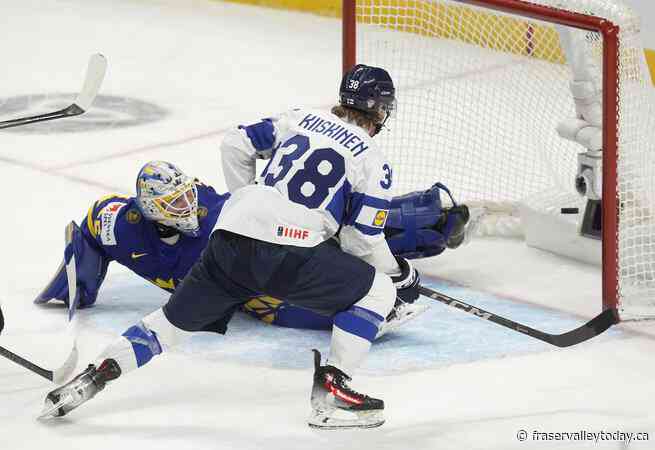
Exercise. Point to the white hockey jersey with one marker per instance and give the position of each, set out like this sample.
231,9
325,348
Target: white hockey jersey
323,176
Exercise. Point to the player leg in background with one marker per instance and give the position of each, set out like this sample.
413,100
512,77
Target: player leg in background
283,314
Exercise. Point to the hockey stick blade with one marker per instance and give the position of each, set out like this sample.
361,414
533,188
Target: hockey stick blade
57,376
594,327
64,373
95,74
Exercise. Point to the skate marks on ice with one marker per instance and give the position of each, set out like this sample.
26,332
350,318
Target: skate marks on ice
439,337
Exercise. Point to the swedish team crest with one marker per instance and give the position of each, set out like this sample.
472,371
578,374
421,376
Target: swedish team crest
202,212
133,216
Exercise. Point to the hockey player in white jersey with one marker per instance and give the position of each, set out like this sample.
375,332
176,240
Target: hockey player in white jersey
339,182
327,162
274,238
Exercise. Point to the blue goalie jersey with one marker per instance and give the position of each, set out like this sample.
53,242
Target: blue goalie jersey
115,230
121,233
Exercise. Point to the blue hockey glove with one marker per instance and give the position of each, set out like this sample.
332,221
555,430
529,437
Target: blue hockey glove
417,226
407,282
90,268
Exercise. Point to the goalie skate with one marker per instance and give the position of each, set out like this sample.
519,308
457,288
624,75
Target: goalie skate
399,316
335,406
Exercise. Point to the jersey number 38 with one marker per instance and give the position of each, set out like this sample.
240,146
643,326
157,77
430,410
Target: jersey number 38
309,178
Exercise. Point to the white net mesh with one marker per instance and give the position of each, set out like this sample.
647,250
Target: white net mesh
480,95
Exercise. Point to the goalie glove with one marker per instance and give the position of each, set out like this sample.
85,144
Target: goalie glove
90,270
418,226
453,224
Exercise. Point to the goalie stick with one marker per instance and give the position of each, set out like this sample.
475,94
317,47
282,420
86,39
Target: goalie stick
95,73
594,327
63,373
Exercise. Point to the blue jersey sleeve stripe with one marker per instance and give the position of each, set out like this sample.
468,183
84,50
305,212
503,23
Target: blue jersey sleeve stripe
336,207
358,201
377,203
356,204
261,134
369,231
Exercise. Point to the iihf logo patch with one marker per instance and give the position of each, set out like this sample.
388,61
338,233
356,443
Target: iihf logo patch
292,233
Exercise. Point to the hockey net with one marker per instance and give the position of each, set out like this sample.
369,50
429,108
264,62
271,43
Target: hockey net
482,86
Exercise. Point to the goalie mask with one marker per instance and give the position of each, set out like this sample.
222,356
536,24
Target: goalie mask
167,196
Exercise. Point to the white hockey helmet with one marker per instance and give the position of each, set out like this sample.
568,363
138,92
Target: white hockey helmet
168,196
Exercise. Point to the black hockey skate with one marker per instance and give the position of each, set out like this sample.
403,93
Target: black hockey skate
80,389
336,406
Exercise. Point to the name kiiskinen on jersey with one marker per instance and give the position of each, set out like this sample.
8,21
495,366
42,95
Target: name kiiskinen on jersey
329,169
339,132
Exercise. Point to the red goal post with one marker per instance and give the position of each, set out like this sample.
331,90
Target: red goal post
610,104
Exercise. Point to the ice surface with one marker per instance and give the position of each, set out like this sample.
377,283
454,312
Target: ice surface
450,381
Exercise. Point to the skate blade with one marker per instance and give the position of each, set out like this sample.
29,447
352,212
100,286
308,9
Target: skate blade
51,410
342,420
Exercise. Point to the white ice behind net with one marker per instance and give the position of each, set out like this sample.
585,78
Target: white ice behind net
480,95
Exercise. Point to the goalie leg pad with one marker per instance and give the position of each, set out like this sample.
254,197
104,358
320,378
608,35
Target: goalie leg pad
91,268
284,314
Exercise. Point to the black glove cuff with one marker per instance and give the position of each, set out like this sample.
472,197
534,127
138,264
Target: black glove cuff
405,270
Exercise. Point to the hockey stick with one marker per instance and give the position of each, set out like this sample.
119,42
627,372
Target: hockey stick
56,376
61,374
95,73
594,327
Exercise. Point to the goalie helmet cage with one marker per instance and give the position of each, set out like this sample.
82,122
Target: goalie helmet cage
477,76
